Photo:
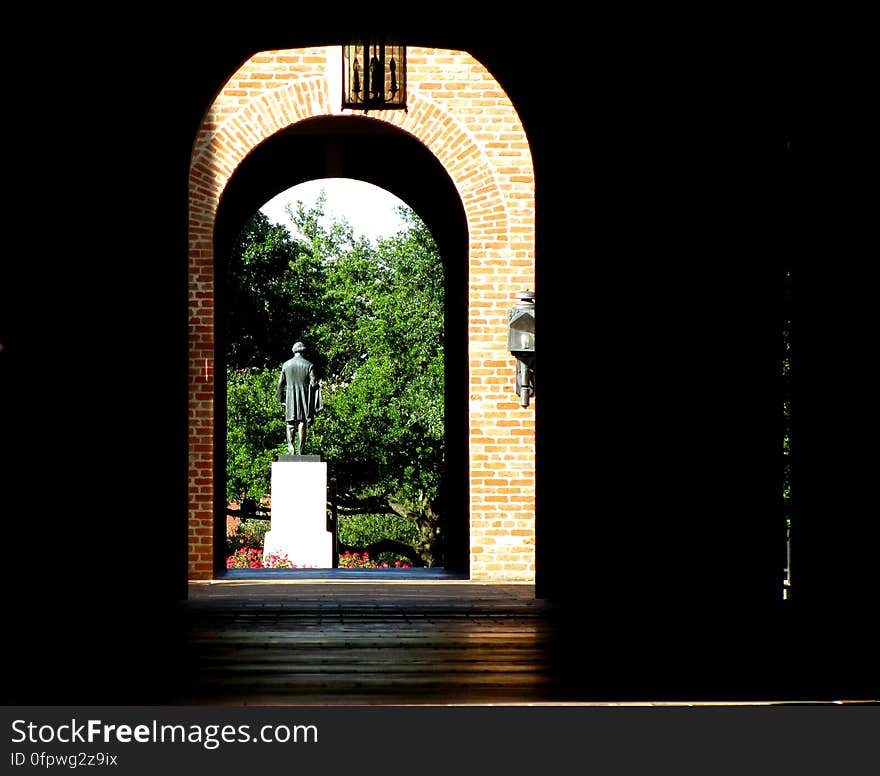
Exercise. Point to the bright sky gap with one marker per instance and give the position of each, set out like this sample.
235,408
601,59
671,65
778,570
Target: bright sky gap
369,209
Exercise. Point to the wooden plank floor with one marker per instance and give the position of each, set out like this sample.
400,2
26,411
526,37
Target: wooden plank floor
366,643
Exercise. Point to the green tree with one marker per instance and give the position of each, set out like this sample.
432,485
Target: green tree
254,431
372,317
273,291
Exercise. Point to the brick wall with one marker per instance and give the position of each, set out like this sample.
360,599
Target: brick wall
460,113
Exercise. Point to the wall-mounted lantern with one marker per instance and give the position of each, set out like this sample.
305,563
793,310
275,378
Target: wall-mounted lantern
373,75
521,343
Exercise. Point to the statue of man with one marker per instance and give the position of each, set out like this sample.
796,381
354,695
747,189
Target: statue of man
299,392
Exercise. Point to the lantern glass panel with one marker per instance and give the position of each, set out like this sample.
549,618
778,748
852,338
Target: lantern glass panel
521,332
353,76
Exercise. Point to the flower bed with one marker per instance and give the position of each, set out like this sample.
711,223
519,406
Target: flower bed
362,560
252,558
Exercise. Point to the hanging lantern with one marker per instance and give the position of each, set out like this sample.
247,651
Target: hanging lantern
521,343
373,76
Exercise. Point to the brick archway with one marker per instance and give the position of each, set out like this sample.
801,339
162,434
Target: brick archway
459,112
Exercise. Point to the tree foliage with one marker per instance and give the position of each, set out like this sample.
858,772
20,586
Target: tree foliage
273,290
254,431
372,319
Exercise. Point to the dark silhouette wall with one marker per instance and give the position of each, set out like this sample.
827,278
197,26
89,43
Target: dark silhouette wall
667,210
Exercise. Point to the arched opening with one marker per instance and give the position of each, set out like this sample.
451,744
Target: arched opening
371,151
459,157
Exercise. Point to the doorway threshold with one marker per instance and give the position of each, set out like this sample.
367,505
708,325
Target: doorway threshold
336,575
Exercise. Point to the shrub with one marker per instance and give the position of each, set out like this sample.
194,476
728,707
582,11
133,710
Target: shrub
252,533
361,530
248,534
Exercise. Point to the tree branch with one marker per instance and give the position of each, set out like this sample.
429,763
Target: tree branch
351,505
386,545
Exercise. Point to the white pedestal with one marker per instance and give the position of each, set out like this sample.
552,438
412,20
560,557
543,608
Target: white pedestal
299,514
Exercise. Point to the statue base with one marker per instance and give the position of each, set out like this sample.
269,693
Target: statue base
298,528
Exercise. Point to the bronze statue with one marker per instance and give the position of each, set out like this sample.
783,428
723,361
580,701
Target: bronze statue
299,392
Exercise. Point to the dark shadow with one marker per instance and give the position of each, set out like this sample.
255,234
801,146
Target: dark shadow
658,536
